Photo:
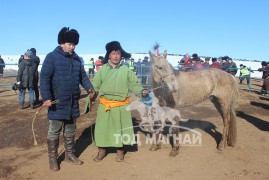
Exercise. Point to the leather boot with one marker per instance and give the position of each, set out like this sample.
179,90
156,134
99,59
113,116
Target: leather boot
69,142
120,155
53,145
100,155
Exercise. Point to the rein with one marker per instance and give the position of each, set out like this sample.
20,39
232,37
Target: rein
39,109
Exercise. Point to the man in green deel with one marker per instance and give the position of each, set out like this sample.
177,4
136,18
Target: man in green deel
114,83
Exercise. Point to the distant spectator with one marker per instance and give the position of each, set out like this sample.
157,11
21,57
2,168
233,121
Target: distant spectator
26,79
181,64
265,77
2,66
206,64
98,63
145,67
21,58
215,64
91,67
197,64
138,67
36,60
244,74
232,67
224,64
132,65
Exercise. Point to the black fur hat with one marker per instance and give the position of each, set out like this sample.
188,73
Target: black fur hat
214,59
66,35
33,51
264,63
225,58
114,45
194,55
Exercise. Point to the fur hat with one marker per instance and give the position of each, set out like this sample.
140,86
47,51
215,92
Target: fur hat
264,63
33,51
225,58
194,55
114,46
214,59
66,35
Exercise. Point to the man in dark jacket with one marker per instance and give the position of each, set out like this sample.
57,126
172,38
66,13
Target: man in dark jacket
36,60
2,66
60,78
26,78
225,64
232,67
145,68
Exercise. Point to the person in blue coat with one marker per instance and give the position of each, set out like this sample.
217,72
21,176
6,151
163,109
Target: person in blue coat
61,75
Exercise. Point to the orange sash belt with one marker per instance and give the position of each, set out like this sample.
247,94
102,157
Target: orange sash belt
111,104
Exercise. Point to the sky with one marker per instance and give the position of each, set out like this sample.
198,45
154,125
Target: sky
237,28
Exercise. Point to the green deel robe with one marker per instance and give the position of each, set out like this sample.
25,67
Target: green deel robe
114,128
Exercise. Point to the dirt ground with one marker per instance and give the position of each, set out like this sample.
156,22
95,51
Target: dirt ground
20,159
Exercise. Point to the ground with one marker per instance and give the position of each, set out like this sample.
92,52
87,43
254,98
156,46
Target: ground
20,159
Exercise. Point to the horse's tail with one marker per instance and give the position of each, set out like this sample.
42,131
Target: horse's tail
232,133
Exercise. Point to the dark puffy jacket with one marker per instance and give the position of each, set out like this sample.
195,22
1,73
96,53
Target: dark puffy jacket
60,77
26,73
36,60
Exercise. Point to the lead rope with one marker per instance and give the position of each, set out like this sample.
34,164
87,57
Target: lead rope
39,109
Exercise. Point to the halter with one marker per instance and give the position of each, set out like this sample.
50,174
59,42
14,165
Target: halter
162,76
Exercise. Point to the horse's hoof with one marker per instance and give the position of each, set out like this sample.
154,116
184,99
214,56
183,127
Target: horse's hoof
221,146
155,147
174,151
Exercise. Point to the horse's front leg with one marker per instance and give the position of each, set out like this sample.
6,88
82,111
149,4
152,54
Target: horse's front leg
156,137
174,140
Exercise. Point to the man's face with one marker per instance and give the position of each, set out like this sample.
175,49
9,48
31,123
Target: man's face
115,57
68,47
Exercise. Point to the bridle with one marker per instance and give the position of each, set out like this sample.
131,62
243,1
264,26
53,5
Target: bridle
160,74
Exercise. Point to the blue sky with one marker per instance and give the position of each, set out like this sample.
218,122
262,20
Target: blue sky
237,28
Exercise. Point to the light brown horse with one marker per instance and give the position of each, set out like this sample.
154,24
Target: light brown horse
189,88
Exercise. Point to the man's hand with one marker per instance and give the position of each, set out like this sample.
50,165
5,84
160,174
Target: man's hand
92,94
47,103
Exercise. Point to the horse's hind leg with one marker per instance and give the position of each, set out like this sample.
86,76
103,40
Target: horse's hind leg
224,110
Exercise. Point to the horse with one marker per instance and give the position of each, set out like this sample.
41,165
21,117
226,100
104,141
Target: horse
180,89
154,113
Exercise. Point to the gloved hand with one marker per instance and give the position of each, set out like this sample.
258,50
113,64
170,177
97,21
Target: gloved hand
18,83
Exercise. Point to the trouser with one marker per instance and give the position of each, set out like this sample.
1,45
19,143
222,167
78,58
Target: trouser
22,95
1,72
56,126
36,87
265,86
244,77
91,72
36,92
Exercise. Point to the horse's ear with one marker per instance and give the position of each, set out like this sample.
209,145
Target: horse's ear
165,54
152,56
